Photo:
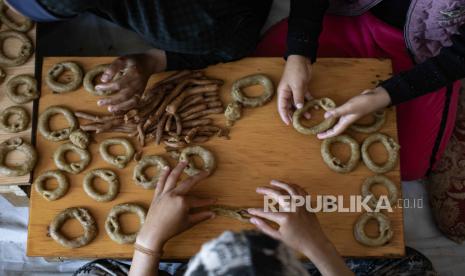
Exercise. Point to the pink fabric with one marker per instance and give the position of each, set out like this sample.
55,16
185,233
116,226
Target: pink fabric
366,36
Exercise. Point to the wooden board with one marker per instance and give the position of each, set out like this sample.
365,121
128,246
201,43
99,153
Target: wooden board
11,47
261,148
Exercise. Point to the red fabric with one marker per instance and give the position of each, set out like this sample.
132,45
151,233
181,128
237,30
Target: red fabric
366,36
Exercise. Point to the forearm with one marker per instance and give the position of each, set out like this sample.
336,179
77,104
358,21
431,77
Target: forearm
144,265
326,258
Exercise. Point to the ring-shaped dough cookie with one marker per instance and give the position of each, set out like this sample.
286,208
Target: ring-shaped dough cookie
56,193
23,26
209,163
326,104
86,220
393,192
57,70
29,93
391,147
20,124
89,81
108,176
257,79
380,118
145,162
2,75
80,138
335,163
25,166
25,50
113,227
73,167
384,229
59,134
119,161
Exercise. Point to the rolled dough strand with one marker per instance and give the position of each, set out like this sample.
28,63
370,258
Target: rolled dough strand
237,213
216,110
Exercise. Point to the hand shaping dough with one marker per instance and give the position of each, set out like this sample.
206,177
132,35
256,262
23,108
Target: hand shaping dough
392,149
56,193
23,26
80,138
333,162
89,80
30,93
231,212
385,232
119,161
258,79
85,219
73,167
147,161
21,123
57,70
26,166
25,51
326,104
208,159
59,134
393,192
113,227
108,176
233,113
380,118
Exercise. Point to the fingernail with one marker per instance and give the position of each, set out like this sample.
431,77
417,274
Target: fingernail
111,109
100,103
299,105
166,168
253,220
328,115
104,77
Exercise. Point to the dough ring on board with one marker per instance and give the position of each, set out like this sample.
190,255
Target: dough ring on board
29,93
2,75
57,70
86,220
393,192
90,77
20,124
120,161
23,26
209,163
333,162
380,119
391,147
257,79
238,213
80,138
56,193
25,50
108,176
73,167
59,134
24,167
326,104
145,162
112,224
384,229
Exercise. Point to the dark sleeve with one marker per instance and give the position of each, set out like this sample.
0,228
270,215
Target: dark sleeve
305,24
434,73
178,61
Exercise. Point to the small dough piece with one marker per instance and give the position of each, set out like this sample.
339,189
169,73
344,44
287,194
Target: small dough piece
238,213
59,134
384,229
23,26
209,163
73,167
108,176
30,93
119,161
391,147
85,219
89,81
24,167
57,70
257,79
393,192
233,113
380,119
21,123
113,227
25,50
56,193
147,161
80,138
326,104
333,162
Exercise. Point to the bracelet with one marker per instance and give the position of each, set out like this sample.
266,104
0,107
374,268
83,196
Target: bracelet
147,251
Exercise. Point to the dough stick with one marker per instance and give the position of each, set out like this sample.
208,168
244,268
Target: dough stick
175,144
178,122
216,110
190,101
193,109
169,122
141,135
190,134
176,103
212,99
211,93
159,131
198,122
200,139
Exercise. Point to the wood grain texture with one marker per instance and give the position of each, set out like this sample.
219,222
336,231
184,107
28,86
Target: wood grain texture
261,148
11,47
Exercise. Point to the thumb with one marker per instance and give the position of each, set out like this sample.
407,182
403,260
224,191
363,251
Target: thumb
116,66
340,111
298,95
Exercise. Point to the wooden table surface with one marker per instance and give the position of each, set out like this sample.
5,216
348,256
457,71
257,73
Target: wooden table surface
261,148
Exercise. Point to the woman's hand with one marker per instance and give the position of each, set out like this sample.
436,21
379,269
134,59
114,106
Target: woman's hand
357,107
136,69
293,87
